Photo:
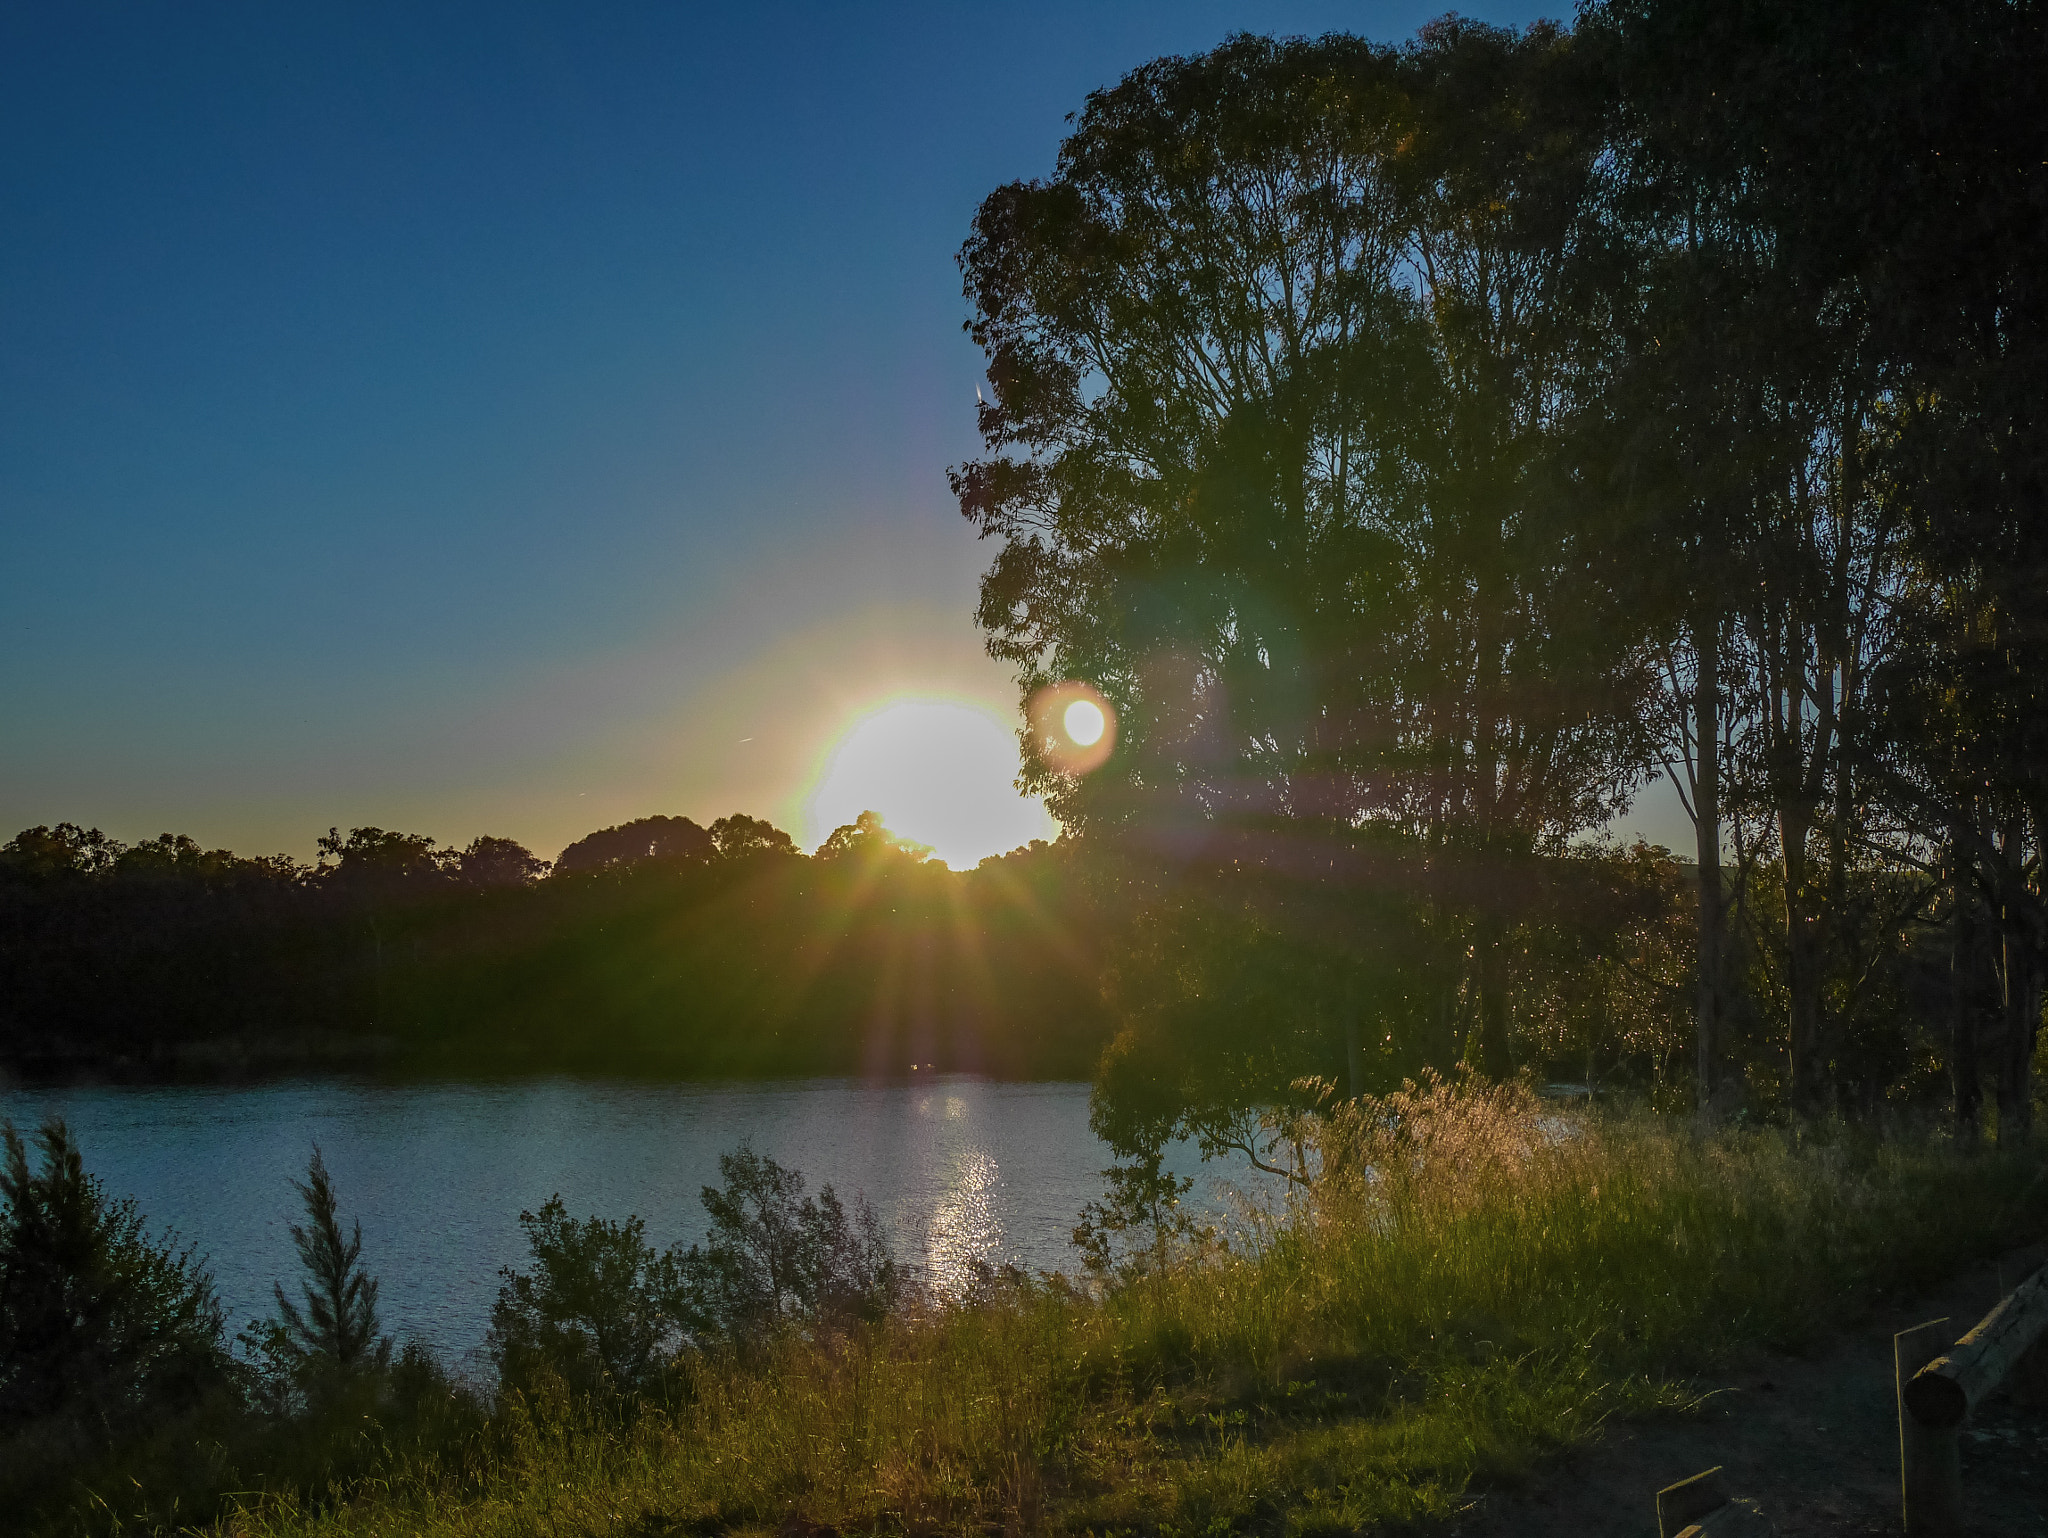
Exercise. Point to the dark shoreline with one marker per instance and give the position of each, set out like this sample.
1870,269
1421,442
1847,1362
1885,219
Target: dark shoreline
379,1065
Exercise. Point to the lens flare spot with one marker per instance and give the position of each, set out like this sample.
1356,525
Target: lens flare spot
1073,728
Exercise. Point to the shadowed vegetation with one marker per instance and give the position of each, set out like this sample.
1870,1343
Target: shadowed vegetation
730,956
1467,1284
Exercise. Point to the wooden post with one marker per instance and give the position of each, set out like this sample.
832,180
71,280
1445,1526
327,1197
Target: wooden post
2028,1383
1701,1507
1930,1477
1680,1506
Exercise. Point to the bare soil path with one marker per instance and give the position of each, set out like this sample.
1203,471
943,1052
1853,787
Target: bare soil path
1812,1440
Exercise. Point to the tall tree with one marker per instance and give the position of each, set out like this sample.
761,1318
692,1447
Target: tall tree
1282,355
1871,171
1532,725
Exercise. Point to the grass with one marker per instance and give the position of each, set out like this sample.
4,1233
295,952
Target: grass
1494,1292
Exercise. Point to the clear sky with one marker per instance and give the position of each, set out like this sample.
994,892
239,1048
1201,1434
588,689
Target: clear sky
502,418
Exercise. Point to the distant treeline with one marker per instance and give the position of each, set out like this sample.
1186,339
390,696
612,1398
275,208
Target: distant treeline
1196,981
659,947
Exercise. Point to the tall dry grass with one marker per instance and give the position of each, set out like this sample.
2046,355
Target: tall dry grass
1473,1280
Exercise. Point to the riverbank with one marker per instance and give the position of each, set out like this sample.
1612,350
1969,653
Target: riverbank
1399,1347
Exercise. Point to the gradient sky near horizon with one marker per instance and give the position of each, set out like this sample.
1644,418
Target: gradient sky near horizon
501,419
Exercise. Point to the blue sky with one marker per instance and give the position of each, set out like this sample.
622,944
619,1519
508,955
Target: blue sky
502,418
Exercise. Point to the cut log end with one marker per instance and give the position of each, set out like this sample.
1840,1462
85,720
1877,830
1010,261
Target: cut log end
1934,1398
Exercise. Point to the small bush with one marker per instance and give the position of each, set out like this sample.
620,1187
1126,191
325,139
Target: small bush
606,1313
599,1307
777,1258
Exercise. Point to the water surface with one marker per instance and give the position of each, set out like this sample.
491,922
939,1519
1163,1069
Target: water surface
959,1169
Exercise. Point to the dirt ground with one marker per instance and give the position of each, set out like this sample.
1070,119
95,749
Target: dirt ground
1811,1440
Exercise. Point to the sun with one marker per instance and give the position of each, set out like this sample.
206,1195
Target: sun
939,770
1084,722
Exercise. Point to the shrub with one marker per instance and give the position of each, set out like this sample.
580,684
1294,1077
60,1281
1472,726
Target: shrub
101,1329
333,1340
1471,1281
604,1311
1139,1225
598,1307
777,1258
107,1337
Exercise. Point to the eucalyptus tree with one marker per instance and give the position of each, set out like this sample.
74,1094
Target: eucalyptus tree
1204,362
1962,755
1694,437
1528,682
1766,146
1685,446
1958,751
1281,357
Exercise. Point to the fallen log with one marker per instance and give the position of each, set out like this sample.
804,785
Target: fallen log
1947,1389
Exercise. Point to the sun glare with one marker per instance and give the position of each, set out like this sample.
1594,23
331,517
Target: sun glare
1084,723
940,771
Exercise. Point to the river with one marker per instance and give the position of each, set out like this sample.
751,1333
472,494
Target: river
959,1169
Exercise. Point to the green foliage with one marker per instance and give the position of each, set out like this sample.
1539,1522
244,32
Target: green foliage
101,1328
606,1313
1279,353
498,862
1233,980
1143,1199
748,964
668,840
374,858
776,1258
111,1343
739,835
1440,440
316,1350
600,1308
869,838
66,849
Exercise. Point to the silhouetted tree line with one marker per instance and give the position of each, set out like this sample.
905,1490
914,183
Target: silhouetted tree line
1425,447
658,947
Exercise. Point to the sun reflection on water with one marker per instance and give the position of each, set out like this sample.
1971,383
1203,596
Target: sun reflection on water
965,1226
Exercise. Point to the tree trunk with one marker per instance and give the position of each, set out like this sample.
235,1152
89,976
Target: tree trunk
1491,962
1962,977
1802,970
2021,1008
1706,805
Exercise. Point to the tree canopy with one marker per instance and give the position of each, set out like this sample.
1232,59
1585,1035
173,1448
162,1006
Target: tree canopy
1433,444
